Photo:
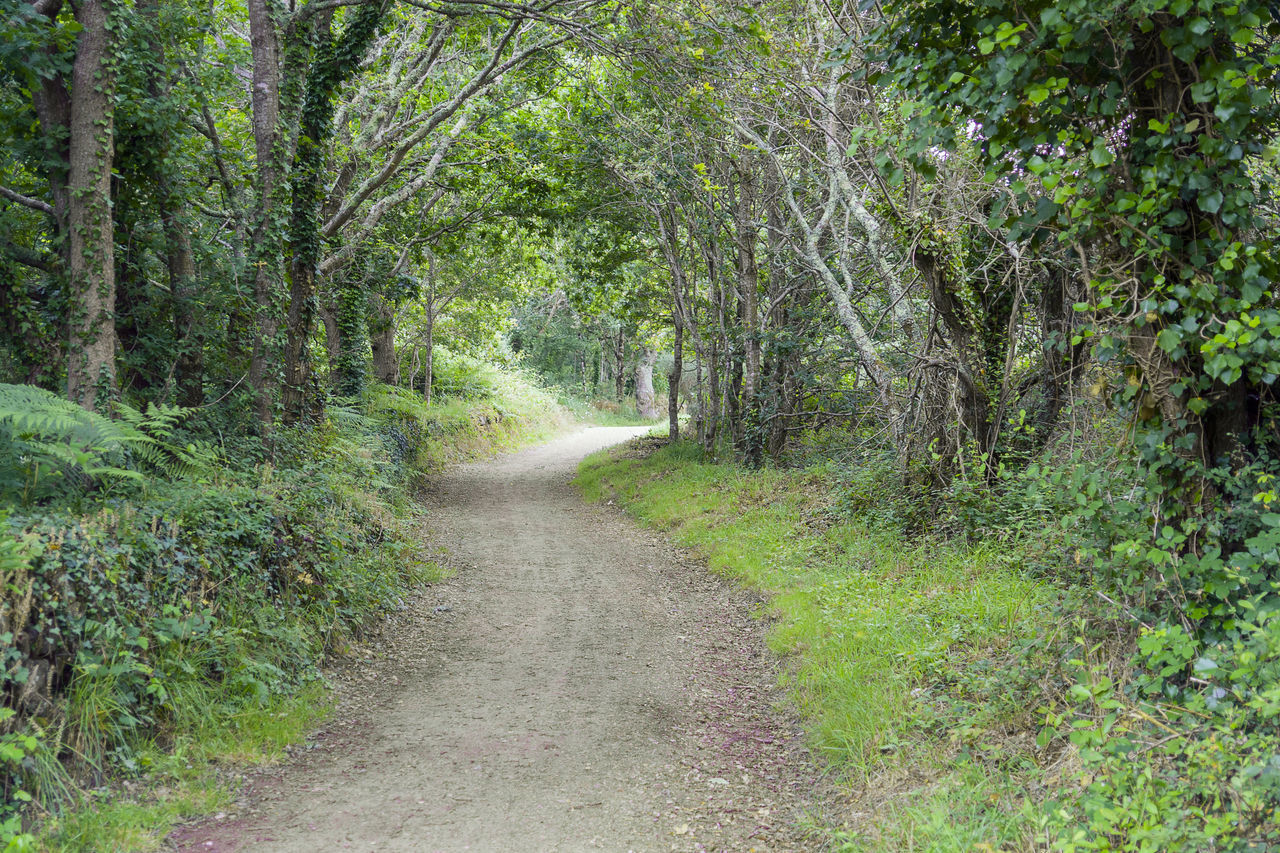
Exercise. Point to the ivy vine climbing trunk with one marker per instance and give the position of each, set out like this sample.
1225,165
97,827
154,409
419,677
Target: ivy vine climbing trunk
91,263
336,61
269,148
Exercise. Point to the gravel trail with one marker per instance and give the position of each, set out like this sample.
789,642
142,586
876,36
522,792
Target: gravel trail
578,684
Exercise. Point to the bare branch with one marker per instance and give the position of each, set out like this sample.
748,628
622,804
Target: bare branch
27,201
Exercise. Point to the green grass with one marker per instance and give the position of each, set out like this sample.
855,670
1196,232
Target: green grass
894,647
183,781
602,412
508,411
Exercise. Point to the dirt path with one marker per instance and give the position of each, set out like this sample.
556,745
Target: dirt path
578,685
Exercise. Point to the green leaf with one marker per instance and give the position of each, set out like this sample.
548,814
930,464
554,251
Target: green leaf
1210,202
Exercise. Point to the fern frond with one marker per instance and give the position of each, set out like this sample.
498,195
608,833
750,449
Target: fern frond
46,433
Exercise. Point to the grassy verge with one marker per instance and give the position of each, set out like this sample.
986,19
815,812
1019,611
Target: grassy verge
183,780
899,650
599,412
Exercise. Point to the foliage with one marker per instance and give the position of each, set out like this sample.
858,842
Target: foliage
1140,135
52,446
924,241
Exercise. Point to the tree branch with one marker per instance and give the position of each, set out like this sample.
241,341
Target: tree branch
51,264
27,201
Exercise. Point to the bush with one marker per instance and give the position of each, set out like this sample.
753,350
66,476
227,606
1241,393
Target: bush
120,625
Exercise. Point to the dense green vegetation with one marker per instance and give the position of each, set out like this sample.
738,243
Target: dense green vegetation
967,310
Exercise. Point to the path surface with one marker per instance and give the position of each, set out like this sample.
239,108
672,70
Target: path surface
577,685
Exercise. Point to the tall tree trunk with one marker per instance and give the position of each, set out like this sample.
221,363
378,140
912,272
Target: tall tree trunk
774,430
428,360
92,285
353,324
733,401
264,42
645,404
619,356
52,102
602,381
336,59
700,413
414,364
748,292
711,430
673,380
189,370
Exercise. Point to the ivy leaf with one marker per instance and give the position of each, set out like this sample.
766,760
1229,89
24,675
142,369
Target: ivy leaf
1210,202
1169,340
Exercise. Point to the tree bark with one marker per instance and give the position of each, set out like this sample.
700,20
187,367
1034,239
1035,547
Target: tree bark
603,376
332,338
264,42
428,359
52,103
748,292
91,265
619,358
382,341
673,381
645,404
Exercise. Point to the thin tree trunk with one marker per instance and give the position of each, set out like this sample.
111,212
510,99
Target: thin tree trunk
92,286
733,401
332,338
602,377
748,292
189,370
700,416
52,103
673,381
711,430
619,371
428,361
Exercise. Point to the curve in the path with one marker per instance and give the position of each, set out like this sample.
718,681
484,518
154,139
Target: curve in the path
575,688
